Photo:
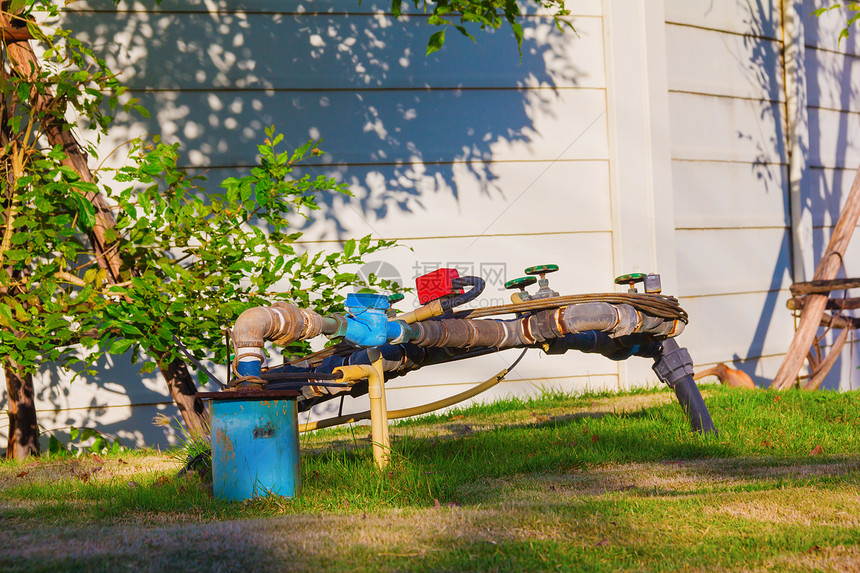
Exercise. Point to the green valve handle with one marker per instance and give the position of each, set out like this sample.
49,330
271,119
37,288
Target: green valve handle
541,269
395,298
520,283
630,279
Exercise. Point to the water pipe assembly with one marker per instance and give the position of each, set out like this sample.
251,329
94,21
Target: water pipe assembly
255,421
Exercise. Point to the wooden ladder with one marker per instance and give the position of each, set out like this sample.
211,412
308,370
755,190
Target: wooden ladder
813,298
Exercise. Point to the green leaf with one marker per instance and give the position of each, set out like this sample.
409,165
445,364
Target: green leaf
518,34
120,346
141,110
436,41
55,446
349,248
86,212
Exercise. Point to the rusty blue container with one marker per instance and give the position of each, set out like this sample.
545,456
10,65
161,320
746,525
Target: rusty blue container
255,445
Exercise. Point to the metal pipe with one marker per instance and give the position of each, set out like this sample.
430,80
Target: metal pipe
282,323
540,326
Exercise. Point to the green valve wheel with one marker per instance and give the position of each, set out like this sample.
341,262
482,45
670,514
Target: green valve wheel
521,282
630,279
541,269
395,298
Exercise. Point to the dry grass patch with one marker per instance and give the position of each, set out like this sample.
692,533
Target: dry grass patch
88,467
837,558
830,507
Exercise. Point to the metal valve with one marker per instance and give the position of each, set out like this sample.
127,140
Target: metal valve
651,282
520,283
631,280
542,270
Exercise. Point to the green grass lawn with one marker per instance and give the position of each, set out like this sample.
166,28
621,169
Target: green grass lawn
591,482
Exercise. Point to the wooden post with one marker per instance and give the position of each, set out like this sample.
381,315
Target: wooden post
813,308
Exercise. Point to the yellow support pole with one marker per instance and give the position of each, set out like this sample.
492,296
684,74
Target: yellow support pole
378,409
378,415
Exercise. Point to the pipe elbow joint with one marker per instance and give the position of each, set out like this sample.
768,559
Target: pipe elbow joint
282,323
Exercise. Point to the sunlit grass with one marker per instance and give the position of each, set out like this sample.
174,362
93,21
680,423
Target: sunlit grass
598,482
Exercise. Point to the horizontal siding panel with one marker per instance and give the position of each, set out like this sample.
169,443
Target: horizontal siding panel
726,129
737,326
732,260
832,80
222,128
851,258
827,190
762,370
709,195
261,51
132,424
583,7
463,199
406,397
834,138
712,62
118,383
759,18
442,379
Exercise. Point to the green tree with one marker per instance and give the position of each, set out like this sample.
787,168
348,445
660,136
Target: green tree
89,270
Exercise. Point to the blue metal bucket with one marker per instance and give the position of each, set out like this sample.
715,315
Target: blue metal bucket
255,447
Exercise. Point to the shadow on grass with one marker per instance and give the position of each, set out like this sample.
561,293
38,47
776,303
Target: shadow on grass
757,430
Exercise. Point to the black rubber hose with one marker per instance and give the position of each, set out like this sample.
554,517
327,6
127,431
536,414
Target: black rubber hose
477,284
694,406
674,367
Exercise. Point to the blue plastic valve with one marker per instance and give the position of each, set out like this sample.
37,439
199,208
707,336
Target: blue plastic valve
366,321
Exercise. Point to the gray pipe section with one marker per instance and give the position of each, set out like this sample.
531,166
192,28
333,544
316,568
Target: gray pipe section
284,323
617,320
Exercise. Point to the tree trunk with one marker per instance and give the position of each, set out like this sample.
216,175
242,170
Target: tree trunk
183,390
24,62
23,430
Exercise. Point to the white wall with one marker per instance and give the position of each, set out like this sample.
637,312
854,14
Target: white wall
729,167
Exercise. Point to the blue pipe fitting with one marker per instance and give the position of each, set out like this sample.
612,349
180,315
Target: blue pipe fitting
366,321
397,332
249,368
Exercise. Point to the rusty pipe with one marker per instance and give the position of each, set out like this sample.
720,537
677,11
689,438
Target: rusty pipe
281,323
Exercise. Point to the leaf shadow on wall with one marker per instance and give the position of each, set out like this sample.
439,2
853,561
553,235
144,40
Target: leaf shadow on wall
398,127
